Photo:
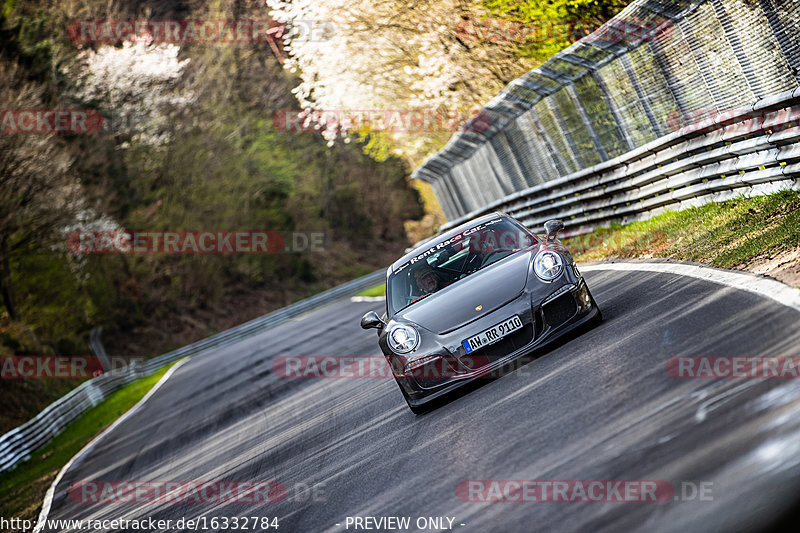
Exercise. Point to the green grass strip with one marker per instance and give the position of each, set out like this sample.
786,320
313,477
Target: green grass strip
377,290
728,234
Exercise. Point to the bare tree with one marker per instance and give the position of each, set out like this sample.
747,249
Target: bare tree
37,194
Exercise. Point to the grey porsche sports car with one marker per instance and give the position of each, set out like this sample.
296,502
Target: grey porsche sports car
469,301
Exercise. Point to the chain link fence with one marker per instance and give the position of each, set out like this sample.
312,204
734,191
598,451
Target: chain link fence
660,74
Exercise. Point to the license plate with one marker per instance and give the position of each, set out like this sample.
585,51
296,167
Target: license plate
493,334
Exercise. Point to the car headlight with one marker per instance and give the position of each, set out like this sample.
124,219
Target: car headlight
548,265
402,339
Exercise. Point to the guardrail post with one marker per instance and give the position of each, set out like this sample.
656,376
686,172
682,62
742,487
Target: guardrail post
464,180
508,162
520,147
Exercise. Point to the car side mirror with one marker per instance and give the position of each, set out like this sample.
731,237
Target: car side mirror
551,229
371,320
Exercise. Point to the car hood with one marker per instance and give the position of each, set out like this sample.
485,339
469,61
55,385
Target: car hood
456,305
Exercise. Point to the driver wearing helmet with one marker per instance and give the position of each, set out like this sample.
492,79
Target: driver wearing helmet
428,280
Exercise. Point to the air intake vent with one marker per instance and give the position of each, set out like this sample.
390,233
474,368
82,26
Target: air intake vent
560,310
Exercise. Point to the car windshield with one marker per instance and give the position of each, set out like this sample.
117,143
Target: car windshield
451,260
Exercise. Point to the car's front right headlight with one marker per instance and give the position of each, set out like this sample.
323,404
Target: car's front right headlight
402,339
548,265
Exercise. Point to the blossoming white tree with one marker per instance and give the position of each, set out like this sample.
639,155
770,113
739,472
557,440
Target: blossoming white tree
138,83
392,55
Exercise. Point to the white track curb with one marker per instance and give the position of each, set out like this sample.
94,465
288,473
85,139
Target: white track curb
763,286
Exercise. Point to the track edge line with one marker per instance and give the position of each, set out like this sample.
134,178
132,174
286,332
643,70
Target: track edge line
761,285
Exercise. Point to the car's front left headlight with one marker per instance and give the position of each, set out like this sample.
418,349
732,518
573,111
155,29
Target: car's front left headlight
402,339
548,265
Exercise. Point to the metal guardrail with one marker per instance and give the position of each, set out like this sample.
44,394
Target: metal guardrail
19,443
605,131
755,152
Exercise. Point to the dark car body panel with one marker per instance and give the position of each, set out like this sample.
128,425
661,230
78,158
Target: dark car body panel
444,320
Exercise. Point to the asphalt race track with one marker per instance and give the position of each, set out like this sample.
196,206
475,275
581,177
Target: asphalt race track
599,407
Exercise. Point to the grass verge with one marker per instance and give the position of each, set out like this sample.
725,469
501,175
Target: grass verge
377,290
22,489
744,233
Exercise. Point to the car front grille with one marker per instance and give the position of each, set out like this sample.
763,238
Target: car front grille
477,359
560,310
436,372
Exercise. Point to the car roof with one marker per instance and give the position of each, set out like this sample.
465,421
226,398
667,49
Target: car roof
426,244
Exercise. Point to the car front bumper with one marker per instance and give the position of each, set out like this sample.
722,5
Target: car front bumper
565,309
